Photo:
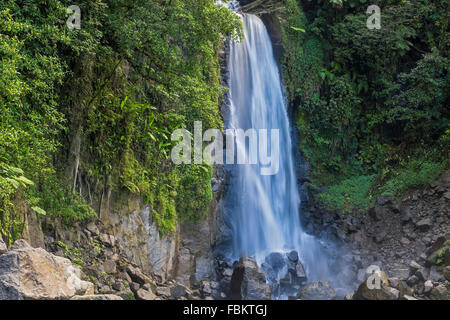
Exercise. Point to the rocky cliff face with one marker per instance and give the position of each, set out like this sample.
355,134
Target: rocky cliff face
408,240
123,253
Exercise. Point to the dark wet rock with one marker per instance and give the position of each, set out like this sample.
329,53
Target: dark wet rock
118,286
293,256
248,282
412,280
287,281
422,274
321,290
276,261
178,291
271,275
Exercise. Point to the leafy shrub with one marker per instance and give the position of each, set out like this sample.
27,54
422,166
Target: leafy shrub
368,101
416,173
13,183
349,194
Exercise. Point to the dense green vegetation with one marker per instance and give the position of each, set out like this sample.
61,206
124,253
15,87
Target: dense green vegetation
86,112
89,112
372,105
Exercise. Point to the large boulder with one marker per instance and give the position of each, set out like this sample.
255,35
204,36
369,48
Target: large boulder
248,281
321,290
35,274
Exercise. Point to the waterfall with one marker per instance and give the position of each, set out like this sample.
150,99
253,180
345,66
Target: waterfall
266,207
263,211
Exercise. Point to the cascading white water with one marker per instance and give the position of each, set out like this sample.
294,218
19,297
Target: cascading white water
266,214
264,210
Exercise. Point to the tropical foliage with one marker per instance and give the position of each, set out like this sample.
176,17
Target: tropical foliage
369,101
87,111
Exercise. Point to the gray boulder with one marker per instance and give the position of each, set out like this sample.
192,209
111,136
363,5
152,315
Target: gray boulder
28,273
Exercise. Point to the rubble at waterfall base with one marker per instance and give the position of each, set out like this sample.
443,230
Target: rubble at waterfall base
412,256
407,240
